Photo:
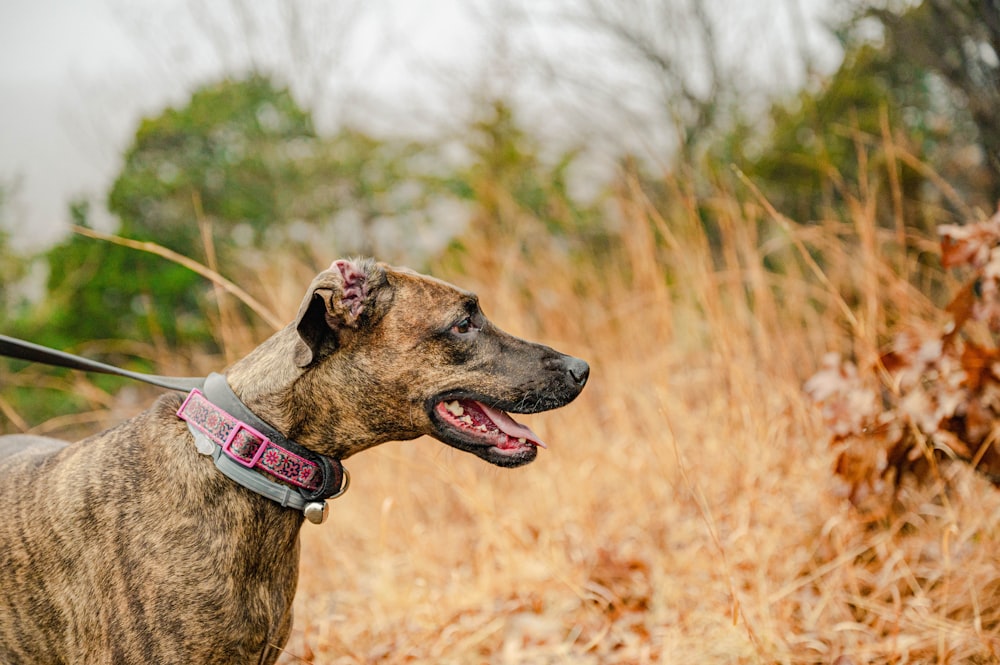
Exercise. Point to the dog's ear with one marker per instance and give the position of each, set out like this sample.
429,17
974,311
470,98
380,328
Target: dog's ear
340,298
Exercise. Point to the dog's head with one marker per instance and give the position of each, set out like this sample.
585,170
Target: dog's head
389,354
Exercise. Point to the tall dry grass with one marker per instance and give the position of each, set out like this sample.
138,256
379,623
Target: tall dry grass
686,510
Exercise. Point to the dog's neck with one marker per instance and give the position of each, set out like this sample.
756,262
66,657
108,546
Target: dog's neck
269,383
266,372
332,408
264,381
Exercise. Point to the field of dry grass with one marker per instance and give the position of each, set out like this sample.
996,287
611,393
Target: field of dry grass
686,510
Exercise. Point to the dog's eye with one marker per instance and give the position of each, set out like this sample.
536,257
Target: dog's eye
464,326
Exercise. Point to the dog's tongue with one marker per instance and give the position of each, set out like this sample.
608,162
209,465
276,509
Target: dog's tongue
509,426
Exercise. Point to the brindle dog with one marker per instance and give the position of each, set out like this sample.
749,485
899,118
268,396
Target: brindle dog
130,547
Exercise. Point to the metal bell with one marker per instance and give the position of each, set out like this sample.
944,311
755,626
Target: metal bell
316,511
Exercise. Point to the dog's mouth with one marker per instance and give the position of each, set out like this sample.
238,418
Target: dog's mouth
475,427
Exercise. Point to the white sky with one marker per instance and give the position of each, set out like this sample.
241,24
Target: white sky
47,48
77,75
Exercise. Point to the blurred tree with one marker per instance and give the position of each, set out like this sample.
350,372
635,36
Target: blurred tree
512,187
920,83
244,159
663,80
230,157
99,290
675,47
957,41
380,195
813,147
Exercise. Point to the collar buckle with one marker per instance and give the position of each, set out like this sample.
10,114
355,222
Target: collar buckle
244,453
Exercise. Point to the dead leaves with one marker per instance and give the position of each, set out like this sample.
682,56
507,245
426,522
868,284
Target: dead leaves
969,245
932,395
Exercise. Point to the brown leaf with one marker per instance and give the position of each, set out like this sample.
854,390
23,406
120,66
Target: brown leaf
977,363
845,403
961,306
969,244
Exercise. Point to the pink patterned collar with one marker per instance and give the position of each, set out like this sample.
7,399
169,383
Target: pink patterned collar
246,445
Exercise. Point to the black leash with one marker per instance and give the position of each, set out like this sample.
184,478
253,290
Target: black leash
11,347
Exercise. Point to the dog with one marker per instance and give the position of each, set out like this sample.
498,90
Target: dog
131,547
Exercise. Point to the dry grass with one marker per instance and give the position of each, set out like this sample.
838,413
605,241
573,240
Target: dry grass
686,511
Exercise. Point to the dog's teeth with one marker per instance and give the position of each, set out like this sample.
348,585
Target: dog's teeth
522,440
482,428
466,419
454,408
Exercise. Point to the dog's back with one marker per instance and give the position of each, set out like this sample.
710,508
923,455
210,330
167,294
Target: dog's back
27,445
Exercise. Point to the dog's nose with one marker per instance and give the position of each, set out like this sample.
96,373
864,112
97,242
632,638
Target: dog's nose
578,369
